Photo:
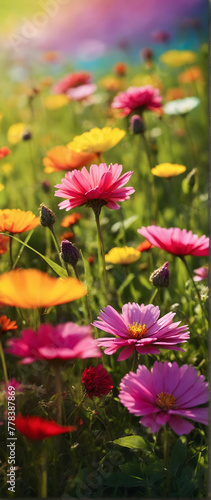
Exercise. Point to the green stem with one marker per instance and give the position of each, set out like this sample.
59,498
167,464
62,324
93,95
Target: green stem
182,257
43,478
135,361
22,248
57,372
57,246
100,242
189,135
153,296
3,364
10,250
166,458
151,179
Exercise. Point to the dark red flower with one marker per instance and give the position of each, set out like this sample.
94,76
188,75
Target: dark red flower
37,428
97,381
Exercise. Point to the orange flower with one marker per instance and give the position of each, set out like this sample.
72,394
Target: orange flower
174,93
6,325
4,242
17,221
4,152
63,158
143,247
120,69
69,220
30,289
69,235
168,170
191,75
51,56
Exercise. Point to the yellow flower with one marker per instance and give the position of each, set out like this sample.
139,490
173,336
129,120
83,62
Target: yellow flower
176,58
15,132
124,255
97,140
111,83
168,170
1,187
6,168
56,101
142,80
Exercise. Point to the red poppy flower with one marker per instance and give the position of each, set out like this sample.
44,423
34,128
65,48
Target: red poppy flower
97,381
4,152
37,428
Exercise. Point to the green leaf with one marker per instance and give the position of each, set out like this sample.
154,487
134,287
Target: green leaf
132,442
126,223
178,457
125,283
62,273
145,282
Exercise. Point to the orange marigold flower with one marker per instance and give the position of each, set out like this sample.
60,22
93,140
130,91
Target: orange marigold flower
63,158
17,221
191,75
69,220
6,325
68,235
31,289
4,242
143,247
174,93
120,69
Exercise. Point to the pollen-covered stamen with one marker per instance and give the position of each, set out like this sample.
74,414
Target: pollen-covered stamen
166,401
137,331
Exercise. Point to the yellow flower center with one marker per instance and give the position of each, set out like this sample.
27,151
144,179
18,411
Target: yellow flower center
137,331
165,401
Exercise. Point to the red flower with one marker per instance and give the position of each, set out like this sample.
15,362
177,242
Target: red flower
4,152
38,428
143,247
70,81
97,381
6,325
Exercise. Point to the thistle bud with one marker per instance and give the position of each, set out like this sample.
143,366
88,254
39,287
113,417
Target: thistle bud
47,216
160,277
69,253
137,124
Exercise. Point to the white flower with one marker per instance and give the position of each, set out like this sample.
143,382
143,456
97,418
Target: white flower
181,106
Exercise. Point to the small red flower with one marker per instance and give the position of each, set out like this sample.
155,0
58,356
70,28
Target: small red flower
6,325
4,152
91,259
37,428
143,247
97,381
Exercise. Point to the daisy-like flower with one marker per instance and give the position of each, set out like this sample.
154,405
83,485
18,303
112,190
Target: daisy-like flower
97,381
81,92
97,140
138,98
138,328
64,341
56,101
17,221
15,132
4,242
176,58
63,158
168,170
101,186
31,289
38,428
181,106
176,241
167,393
6,325
201,273
124,255
71,80
69,220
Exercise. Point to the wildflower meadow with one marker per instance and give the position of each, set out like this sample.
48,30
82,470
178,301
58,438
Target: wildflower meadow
104,248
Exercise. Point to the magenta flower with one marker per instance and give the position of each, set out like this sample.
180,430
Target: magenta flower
201,273
71,80
81,92
138,98
138,328
176,241
101,186
166,394
64,341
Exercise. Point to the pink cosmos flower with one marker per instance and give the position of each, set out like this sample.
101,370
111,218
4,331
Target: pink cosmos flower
141,98
176,241
71,80
202,273
166,394
138,328
64,341
81,92
102,185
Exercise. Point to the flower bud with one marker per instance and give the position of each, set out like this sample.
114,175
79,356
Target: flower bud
47,216
147,54
191,178
160,277
137,124
69,253
27,135
46,186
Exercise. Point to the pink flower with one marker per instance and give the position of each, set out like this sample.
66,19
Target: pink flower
166,394
64,341
81,92
138,328
202,273
71,80
102,185
176,241
11,383
141,98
